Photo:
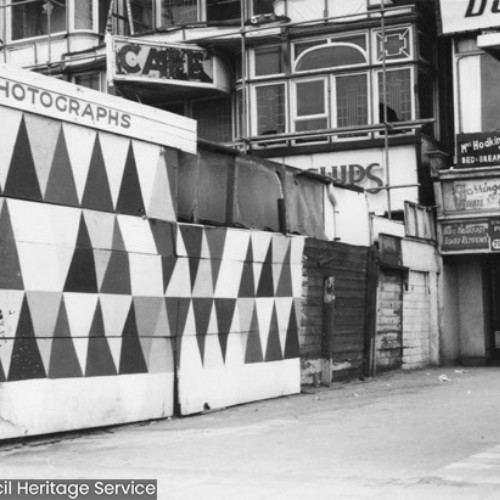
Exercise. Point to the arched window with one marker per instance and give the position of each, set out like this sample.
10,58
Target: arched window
331,56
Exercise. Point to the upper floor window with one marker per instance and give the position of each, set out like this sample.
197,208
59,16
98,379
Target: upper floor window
37,18
330,56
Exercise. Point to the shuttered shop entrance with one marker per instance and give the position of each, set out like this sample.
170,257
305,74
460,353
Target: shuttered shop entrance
389,338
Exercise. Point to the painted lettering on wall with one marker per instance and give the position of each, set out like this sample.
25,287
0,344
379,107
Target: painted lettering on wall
164,62
355,174
471,194
73,107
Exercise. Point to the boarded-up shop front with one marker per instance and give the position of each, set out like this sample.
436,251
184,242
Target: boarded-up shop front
334,311
110,310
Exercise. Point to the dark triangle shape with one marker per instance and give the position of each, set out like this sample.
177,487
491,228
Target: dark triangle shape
177,311
117,275
26,362
247,286
63,359
254,347
216,240
97,194
81,276
167,265
117,243
2,374
10,268
266,283
273,351
130,198
192,237
99,359
225,312
202,309
285,288
131,358
22,181
61,184
164,236
292,337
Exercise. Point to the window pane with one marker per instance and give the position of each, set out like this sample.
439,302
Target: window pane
178,12
490,99
214,119
35,19
352,100
142,15
84,16
399,95
223,10
270,109
311,98
268,61
303,46
89,80
263,7
331,57
314,124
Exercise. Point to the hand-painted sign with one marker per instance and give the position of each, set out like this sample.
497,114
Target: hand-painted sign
31,92
481,149
468,15
459,236
162,62
478,195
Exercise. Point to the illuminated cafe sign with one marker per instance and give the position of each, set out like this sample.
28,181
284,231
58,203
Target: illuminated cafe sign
167,63
468,15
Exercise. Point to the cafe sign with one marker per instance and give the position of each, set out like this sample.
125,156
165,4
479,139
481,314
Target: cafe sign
480,149
142,61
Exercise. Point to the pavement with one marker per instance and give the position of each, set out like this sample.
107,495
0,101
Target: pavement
426,434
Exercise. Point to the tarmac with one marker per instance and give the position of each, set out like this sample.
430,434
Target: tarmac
425,434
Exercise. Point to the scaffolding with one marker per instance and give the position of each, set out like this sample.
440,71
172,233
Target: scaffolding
279,28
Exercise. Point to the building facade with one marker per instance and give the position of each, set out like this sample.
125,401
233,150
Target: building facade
342,89
346,88
467,186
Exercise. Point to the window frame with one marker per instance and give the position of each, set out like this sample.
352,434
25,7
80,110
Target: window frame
376,90
254,125
295,118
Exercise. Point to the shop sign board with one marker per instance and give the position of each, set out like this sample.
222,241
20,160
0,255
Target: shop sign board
471,195
164,63
463,236
458,16
28,91
480,149
366,168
